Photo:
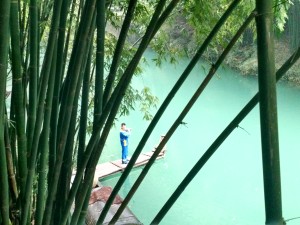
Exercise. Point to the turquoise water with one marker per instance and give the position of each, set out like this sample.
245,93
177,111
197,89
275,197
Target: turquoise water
229,189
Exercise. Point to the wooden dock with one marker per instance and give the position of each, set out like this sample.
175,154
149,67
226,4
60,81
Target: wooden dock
109,168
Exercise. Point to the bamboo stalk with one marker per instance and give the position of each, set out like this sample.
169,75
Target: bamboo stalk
181,117
83,122
268,112
21,23
78,210
220,139
99,77
62,91
125,80
4,44
83,213
94,137
85,104
62,50
67,166
82,200
67,107
84,109
86,185
13,140
33,71
44,147
40,109
119,49
10,165
170,95
17,89
78,34
67,41
64,182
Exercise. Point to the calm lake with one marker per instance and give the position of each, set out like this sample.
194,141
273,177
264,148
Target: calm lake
229,188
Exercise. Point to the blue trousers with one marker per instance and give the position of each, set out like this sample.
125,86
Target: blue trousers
124,153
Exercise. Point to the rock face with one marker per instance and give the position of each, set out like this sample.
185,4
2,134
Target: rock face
102,194
97,201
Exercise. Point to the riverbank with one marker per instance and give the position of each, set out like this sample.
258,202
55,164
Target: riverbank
244,60
98,199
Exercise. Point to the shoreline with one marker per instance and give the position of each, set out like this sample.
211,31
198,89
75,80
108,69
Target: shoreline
244,61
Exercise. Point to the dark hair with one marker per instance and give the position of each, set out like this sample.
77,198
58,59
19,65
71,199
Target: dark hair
123,124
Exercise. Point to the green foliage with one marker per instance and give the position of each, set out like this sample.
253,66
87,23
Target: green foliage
144,99
280,13
61,44
148,102
190,23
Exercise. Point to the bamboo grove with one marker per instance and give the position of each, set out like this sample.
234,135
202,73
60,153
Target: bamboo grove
52,54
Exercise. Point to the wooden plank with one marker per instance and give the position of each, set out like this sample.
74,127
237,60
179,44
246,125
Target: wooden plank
109,168
105,169
160,155
141,160
119,164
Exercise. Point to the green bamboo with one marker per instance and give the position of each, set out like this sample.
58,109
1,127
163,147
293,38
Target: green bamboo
17,89
69,76
44,146
22,22
86,185
181,116
67,166
83,122
33,70
126,78
13,139
70,27
129,71
83,213
84,109
84,72
66,172
219,140
268,112
10,164
99,77
170,96
107,109
82,200
119,49
61,49
4,193
40,109
63,90
67,107
90,147
4,44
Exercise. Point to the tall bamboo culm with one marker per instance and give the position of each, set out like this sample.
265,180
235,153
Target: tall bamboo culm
4,43
268,112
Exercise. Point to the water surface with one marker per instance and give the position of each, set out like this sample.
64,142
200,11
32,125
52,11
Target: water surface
229,189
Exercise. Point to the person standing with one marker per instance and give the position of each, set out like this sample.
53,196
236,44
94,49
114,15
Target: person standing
124,135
